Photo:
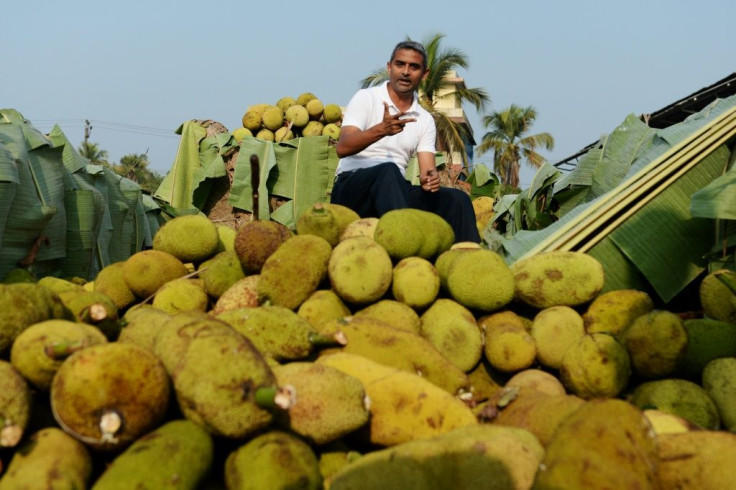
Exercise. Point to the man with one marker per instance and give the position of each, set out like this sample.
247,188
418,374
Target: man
382,128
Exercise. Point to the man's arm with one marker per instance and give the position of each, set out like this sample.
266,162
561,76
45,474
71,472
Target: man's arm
429,178
354,140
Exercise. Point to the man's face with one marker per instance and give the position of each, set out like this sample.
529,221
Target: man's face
406,71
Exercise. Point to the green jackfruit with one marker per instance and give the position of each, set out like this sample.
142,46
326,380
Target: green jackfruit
273,460
394,313
94,308
110,281
701,459
146,271
719,381
182,294
23,304
322,306
452,329
679,397
189,238
554,330
613,311
656,343
256,241
716,298
243,293
15,405
597,365
220,272
360,270
273,118
480,280
408,232
415,282
176,455
708,339
141,324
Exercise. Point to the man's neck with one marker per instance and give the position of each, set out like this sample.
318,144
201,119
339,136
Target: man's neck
402,101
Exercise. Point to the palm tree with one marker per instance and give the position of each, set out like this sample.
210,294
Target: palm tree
135,167
93,153
510,143
451,136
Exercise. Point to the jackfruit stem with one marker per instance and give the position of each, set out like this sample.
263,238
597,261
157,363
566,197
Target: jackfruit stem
110,424
328,340
59,351
10,435
274,397
95,313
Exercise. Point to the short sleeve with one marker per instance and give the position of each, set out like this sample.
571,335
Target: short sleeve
357,112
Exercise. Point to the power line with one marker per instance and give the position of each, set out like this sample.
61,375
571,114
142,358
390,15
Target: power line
107,125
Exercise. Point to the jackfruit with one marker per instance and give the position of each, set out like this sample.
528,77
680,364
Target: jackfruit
273,460
182,294
242,133
557,278
15,405
656,343
315,108
50,457
252,121
484,382
716,298
94,308
110,282
321,221
178,454
509,348
313,128
679,397
554,330
589,451
360,270
465,458
397,348
39,350
393,313
130,395
332,113
146,271
22,304
283,134
285,102
220,272
331,130
266,135
18,274
303,98
273,118
480,280
331,404
699,459
360,227
189,238
141,324
613,311
322,306
408,232
719,381
483,207
294,271
297,115
415,282
403,406
256,241
538,380
597,365
242,294
708,339
452,329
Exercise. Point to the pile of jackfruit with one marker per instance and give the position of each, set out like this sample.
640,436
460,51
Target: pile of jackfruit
359,353
291,117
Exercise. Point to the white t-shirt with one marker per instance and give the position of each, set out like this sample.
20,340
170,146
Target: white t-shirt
365,109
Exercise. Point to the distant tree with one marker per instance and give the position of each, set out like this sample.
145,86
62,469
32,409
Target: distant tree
93,153
511,144
134,166
451,136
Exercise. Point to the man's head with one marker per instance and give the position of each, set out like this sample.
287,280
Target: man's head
407,67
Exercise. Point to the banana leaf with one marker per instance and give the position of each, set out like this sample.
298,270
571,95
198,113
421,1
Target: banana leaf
483,182
241,191
717,200
188,172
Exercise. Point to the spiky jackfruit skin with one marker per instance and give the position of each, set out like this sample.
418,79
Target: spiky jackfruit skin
397,348
146,271
588,451
538,380
452,329
252,121
413,232
557,278
717,300
283,134
266,135
697,459
242,294
110,281
613,311
220,272
190,238
242,133
719,381
182,294
313,128
480,280
273,118
285,102
178,454
597,365
18,274
128,380
227,238
468,457
256,241
315,108
360,270
656,343
344,215
554,330
303,98
394,313
509,348
40,349
360,227
322,306
297,115
332,113
331,130
319,220
15,405
276,331
50,456
331,404
679,397
23,304
404,406
415,282
294,271
275,459
141,324
216,380
483,207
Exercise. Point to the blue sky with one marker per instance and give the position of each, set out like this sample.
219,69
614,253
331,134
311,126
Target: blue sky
138,69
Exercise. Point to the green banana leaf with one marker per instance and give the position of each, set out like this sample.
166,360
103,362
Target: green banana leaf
241,191
483,182
717,200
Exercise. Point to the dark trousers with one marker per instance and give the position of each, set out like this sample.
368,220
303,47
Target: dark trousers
376,190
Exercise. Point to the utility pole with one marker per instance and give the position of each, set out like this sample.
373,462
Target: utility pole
87,131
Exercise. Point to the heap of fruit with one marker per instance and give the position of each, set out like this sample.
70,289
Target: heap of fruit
289,117
360,353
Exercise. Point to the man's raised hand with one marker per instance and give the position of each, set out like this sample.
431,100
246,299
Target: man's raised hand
392,123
